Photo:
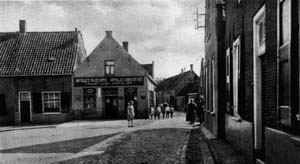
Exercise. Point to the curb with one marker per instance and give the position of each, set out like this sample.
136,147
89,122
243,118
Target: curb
183,149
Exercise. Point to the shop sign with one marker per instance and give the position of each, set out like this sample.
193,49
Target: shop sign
109,81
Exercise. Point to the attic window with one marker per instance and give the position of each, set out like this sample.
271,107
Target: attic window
51,58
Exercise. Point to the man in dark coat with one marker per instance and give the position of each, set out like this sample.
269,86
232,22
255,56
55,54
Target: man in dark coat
191,111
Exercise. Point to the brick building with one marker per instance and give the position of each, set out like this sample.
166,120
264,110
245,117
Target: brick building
36,74
262,78
177,89
214,67
109,78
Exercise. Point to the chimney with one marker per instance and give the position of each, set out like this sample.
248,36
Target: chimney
108,34
191,67
181,70
75,36
22,25
125,46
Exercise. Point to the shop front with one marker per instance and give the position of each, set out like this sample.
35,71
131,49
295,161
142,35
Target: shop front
108,97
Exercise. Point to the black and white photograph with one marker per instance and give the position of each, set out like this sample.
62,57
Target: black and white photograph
149,82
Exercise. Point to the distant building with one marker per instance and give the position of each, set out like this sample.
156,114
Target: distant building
36,74
109,78
174,90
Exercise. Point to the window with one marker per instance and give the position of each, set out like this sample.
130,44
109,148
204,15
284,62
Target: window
214,88
284,21
236,74
260,32
109,67
228,81
51,102
89,98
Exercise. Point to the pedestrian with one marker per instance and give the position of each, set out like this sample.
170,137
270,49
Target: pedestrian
157,112
146,113
167,110
191,111
152,110
171,111
201,110
163,111
130,114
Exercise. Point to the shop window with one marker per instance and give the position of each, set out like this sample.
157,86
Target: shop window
284,21
236,52
89,98
51,102
109,67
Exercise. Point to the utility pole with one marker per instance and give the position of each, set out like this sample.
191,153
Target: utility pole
197,19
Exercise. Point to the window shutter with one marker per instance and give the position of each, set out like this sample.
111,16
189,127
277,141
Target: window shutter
37,102
65,102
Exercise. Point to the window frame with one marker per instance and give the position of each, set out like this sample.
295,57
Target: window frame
111,68
43,101
236,62
280,37
213,87
260,17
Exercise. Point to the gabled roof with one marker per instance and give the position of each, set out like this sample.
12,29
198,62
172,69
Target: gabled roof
189,88
172,83
110,49
148,68
38,53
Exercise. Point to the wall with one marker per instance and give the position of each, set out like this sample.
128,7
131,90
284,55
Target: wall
35,84
215,65
211,53
239,23
281,147
240,135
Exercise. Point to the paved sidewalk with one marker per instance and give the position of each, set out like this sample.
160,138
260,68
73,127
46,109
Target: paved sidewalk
203,148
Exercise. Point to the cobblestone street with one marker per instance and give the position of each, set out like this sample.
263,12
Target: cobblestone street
150,141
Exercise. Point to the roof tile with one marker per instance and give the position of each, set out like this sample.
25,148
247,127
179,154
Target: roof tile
28,53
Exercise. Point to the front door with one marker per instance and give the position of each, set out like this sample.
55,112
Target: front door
25,106
2,105
111,106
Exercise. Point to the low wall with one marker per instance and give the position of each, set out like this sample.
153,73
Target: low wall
240,135
281,147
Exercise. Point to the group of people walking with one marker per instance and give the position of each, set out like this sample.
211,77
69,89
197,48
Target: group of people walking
165,110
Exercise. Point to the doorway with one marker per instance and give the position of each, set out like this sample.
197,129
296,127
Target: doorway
111,106
110,102
2,105
25,106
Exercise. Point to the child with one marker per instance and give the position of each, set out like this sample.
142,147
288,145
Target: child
152,110
171,111
130,114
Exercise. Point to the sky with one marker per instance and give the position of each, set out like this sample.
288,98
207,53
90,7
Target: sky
162,31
